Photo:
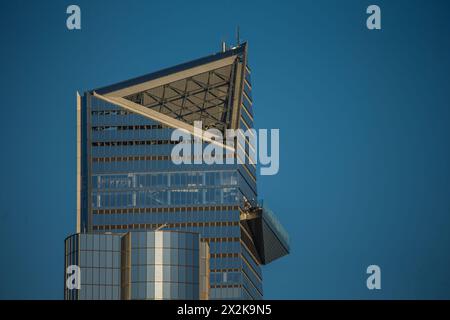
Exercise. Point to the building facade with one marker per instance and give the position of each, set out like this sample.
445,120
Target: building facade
139,265
127,180
98,257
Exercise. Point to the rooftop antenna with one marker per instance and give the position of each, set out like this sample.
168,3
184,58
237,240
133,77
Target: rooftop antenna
237,36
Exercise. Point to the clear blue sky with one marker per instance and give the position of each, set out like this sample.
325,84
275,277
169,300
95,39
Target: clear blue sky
363,117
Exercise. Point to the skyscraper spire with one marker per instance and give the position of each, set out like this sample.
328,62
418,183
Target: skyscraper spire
238,40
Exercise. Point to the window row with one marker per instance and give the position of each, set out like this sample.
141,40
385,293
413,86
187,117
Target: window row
122,128
222,263
166,290
153,166
165,256
225,293
132,143
152,226
165,179
165,197
99,242
168,209
100,259
207,232
176,240
154,158
98,292
99,276
225,277
110,112
180,274
131,158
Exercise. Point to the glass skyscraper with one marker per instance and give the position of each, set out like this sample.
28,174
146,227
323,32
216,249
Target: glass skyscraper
127,181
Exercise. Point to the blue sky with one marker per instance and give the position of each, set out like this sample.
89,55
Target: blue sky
363,117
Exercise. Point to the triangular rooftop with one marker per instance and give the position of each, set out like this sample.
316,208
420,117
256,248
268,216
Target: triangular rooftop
208,89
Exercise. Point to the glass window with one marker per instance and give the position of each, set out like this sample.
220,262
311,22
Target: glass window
142,256
134,291
96,242
82,262
109,241
142,239
174,256
116,259
95,258
108,292
189,291
142,290
142,273
88,276
134,240
158,272
189,255
108,276
166,290
181,240
189,274
159,255
109,259
174,291
95,276
134,274
115,294
195,242
150,239
150,290
102,276
182,274
116,243
166,255
182,257
150,273
102,255
95,292
166,273
182,291
88,256
116,276
83,242
195,258
88,292
103,242
134,257
174,273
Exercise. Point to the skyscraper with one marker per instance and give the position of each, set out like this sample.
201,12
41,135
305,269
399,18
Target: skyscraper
127,181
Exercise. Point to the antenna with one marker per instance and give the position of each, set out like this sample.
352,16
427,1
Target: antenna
237,36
